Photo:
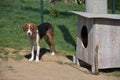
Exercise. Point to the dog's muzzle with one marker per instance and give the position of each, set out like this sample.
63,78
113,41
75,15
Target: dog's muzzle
29,33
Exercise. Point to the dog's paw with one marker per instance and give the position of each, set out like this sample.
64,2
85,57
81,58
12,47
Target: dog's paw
30,59
37,60
52,54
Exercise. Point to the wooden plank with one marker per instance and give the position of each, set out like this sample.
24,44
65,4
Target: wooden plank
96,59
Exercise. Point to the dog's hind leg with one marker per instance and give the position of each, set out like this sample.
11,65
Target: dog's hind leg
51,43
47,40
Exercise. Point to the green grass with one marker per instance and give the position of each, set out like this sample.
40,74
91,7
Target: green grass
14,13
112,72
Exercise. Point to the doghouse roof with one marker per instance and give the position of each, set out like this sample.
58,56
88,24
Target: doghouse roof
95,15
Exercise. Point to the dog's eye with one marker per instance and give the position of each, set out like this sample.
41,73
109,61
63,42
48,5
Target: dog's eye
31,28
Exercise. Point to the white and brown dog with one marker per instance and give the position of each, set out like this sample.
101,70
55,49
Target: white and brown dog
38,32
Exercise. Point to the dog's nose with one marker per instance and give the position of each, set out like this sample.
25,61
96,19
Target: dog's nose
28,33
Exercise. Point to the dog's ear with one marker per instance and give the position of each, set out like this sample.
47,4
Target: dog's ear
25,27
34,27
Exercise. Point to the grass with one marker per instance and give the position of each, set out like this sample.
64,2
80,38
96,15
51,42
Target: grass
4,53
111,72
17,57
14,13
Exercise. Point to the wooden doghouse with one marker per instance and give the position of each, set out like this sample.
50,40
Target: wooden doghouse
98,40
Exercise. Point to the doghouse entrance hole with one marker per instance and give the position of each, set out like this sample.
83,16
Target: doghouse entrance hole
84,36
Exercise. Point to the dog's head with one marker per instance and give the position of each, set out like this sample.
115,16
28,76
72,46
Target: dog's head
29,28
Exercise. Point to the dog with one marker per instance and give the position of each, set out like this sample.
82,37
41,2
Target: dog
36,33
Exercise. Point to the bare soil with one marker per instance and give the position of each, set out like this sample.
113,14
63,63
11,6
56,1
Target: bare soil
49,68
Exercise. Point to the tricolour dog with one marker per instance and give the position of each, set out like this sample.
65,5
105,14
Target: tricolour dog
35,33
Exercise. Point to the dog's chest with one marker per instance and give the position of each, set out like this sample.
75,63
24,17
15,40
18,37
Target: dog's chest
33,37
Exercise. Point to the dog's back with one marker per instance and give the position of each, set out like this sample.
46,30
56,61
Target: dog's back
45,28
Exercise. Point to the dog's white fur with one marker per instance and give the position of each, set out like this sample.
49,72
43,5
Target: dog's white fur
32,48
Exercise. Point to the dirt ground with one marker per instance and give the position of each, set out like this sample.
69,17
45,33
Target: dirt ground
49,68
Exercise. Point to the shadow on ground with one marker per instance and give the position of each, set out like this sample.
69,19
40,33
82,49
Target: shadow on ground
81,63
42,52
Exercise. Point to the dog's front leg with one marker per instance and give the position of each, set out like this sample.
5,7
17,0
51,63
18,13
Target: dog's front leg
32,51
38,47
